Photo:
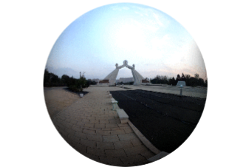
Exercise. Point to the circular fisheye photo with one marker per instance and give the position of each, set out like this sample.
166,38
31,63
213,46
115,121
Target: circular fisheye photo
125,84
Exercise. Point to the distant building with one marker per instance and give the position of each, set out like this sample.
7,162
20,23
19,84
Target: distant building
104,82
145,81
96,80
125,80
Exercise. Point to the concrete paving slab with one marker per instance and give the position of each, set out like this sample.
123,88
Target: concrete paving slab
111,138
123,144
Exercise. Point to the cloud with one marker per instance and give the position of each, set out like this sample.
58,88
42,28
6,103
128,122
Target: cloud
158,19
116,8
139,13
119,7
152,16
125,8
143,25
171,70
160,43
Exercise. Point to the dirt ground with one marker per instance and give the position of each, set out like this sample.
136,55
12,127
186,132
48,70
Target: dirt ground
58,98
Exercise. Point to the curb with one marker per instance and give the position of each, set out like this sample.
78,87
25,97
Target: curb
148,144
145,141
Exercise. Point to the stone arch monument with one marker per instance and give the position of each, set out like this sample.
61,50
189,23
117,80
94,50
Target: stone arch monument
112,76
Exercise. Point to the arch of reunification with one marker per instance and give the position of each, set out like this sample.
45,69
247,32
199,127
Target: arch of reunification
112,76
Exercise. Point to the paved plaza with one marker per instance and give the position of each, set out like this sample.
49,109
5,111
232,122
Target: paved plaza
186,91
94,129
91,126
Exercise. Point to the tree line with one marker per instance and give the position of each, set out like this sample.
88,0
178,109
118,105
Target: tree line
190,81
74,84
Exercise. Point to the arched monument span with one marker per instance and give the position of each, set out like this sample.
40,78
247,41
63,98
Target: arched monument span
112,76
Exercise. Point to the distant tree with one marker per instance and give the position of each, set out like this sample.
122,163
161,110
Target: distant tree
192,82
46,78
93,83
187,76
196,76
82,83
77,85
65,79
51,79
178,78
155,80
71,81
205,83
183,78
54,78
165,78
201,82
172,81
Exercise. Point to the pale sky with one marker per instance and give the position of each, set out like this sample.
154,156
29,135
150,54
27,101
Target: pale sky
144,36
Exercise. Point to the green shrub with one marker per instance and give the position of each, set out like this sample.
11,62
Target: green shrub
77,85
